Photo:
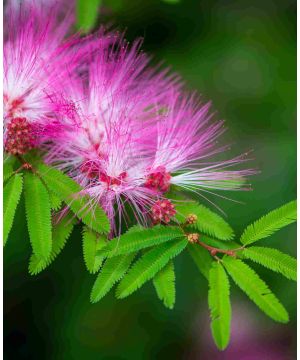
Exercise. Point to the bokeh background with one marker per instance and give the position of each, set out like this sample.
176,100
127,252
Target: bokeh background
241,55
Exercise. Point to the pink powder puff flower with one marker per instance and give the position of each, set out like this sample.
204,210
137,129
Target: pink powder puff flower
133,134
37,63
186,143
107,144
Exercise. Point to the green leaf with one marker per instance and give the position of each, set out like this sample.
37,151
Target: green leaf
91,243
11,196
228,245
164,283
201,257
87,13
61,233
8,168
208,222
219,305
268,224
55,201
113,270
149,265
274,260
38,213
68,190
138,238
257,290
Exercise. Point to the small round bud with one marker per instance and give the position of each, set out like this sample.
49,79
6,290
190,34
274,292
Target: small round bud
193,238
191,219
213,252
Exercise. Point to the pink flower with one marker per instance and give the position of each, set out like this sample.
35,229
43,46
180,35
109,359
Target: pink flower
133,133
107,143
37,63
185,149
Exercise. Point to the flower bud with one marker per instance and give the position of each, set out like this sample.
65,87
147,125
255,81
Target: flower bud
191,219
193,238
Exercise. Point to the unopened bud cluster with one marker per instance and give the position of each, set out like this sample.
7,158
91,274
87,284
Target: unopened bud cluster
162,211
193,238
191,219
19,138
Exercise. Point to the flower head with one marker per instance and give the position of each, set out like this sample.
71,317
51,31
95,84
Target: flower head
133,133
37,63
107,143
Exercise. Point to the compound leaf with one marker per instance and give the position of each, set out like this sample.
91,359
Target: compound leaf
60,234
112,271
70,192
257,290
11,196
91,243
164,283
219,305
138,238
270,223
273,259
38,213
149,265
207,222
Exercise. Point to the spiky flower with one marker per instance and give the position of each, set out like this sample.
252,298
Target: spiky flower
133,134
36,62
107,144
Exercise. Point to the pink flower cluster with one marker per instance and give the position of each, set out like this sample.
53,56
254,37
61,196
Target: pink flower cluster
125,131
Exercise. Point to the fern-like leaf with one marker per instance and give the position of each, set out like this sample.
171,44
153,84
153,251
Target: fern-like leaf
92,243
149,265
208,222
61,233
11,196
225,245
219,305
164,283
202,258
274,260
8,167
55,201
268,224
38,213
138,238
112,271
257,290
71,193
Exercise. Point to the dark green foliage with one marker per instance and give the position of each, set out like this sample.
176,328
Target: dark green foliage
202,259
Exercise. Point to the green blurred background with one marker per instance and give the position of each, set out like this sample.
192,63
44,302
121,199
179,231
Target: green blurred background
241,55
